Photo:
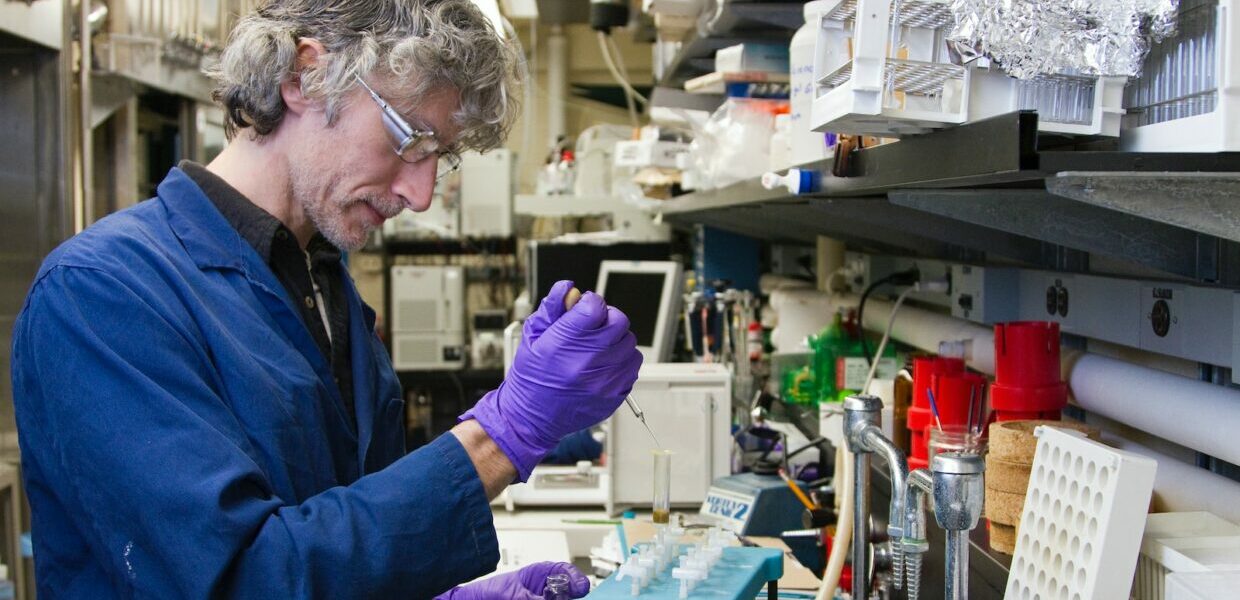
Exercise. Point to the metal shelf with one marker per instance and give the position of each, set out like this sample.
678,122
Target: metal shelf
985,190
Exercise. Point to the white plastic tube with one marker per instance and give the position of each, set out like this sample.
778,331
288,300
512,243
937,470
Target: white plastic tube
843,529
1191,413
926,330
1181,487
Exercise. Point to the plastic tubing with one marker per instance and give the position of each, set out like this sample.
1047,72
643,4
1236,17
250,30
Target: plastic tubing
843,530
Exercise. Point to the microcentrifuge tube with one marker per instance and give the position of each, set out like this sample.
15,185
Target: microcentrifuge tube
556,587
662,486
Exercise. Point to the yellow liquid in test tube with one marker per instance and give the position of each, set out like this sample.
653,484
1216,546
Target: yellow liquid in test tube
662,506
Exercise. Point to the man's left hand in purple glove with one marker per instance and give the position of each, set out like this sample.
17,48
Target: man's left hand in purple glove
525,584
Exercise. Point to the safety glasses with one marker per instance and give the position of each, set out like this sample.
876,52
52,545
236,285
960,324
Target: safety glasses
414,145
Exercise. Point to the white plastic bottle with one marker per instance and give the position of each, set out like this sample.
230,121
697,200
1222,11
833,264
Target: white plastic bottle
804,144
780,147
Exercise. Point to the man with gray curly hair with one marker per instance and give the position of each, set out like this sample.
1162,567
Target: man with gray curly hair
204,407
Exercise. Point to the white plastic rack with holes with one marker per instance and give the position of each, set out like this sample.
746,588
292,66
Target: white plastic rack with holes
868,83
1081,527
1188,96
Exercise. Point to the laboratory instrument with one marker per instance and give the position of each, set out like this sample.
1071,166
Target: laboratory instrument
551,261
649,294
428,317
641,416
693,397
697,400
863,428
717,330
955,481
752,504
487,193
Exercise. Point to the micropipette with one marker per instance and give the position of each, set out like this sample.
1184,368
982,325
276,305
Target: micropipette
570,299
641,416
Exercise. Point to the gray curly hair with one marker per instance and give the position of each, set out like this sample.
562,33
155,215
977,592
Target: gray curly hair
426,43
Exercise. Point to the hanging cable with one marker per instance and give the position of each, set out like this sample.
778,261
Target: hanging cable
624,69
882,345
615,72
908,277
629,102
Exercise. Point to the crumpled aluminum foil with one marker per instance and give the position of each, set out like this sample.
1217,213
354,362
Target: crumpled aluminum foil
1041,37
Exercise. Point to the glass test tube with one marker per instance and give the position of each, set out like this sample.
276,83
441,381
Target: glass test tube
662,486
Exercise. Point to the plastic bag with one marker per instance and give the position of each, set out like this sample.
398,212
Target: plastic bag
735,142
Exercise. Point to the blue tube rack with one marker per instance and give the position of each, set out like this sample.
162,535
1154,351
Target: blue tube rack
740,574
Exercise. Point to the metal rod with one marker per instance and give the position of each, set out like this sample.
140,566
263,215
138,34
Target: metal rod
861,526
957,567
86,138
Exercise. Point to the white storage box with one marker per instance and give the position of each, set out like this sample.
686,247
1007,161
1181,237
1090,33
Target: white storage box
744,58
648,153
1066,104
1188,96
1183,542
867,83
1203,586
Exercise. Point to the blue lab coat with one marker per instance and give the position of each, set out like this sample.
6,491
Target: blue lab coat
182,437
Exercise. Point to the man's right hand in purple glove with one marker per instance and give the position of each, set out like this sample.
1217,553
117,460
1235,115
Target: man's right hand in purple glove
573,369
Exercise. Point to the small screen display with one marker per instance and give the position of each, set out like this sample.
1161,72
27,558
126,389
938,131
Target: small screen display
638,295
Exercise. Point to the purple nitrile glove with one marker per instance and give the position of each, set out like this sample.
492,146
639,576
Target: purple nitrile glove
572,370
524,584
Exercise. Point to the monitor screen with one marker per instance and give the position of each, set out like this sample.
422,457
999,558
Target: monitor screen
551,262
638,295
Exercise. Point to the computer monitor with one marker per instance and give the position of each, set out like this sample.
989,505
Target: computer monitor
649,294
549,262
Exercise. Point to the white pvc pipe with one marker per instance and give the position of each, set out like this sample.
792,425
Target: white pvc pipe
927,330
1181,487
1191,413
557,83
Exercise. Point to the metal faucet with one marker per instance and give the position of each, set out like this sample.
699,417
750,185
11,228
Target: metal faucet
956,482
863,430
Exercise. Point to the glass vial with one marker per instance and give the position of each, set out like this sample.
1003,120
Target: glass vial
662,486
556,587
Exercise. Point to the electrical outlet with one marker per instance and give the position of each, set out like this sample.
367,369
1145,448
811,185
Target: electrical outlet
985,295
1184,321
